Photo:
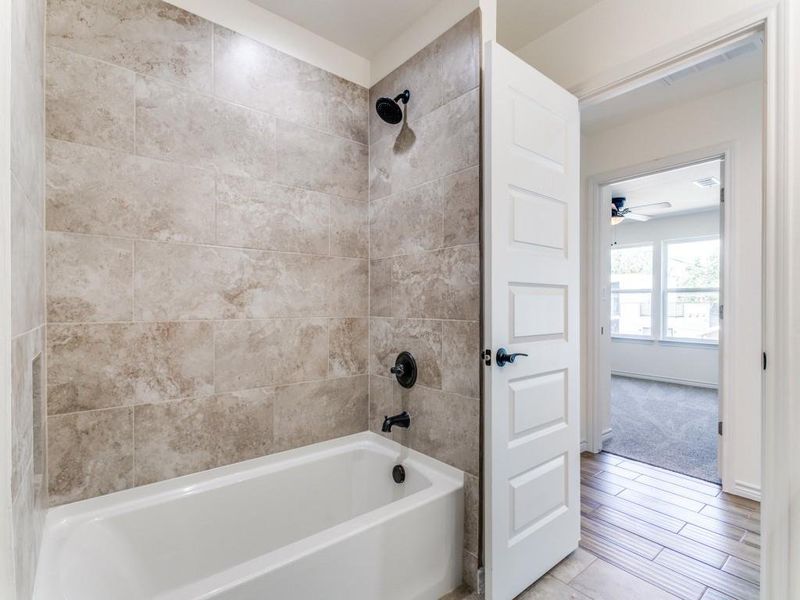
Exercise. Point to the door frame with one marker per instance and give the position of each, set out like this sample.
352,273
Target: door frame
781,228
782,247
598,343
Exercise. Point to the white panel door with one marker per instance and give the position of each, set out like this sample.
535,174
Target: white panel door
531,296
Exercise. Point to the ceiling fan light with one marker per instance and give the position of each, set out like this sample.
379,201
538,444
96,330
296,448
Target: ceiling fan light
616,220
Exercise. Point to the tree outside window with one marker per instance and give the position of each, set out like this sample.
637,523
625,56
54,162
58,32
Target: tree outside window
691,293
632,290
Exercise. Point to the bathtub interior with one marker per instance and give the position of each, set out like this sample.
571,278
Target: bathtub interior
185,538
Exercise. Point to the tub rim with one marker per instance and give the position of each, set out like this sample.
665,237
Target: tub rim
444,480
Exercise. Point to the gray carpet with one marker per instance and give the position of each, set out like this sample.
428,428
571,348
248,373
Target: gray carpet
665,424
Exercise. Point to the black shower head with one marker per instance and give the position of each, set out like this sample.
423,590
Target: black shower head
389,110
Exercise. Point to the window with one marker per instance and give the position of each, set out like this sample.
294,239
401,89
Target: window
691,290
681,303
632,291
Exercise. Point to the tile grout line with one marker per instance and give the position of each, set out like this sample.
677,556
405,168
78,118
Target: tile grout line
210,395
211,320
211,171
212,246
185,88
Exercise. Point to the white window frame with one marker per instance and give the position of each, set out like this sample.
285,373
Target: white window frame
653,291
665,290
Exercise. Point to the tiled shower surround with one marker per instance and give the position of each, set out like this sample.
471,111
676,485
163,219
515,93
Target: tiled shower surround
425,257
237,249
26,211
207,245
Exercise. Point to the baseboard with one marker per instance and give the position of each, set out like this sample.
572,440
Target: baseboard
747,490
606,435
702,384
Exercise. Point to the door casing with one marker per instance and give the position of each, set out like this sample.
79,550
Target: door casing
598,344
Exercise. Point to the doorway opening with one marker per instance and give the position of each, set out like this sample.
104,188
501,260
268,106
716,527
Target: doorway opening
685,153
674,331
665,300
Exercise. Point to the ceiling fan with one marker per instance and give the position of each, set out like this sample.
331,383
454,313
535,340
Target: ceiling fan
619,213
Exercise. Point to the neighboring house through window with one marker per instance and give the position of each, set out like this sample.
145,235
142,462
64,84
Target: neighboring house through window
687,288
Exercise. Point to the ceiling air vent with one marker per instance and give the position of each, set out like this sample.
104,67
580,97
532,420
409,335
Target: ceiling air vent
706,182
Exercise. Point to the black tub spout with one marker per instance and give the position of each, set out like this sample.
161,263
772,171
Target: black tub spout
401,420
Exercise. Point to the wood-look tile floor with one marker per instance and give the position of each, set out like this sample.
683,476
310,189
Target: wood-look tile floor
651,534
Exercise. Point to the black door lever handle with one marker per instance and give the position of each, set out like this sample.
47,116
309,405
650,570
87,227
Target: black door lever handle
503,357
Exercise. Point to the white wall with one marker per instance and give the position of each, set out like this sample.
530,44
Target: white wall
732,117
7,588
621,37
782,530
693,364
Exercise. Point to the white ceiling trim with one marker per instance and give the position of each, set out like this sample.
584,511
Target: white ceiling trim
264,26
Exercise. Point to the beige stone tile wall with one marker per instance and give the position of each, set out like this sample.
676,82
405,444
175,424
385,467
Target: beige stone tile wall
425,258
207,248
27,251
237,249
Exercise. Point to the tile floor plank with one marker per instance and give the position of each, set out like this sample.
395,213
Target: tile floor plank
738,520
603,485
675,488
590,469
743,568
550,588
715,501
752,539
674,541
640,540
712,594
721,543
605,457
705,521
604,581
624,539
573,565
634,509
674,583
715,578
671,476
753,505
598,465
648,490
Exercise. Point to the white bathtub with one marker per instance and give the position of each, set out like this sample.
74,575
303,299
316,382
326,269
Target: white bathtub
324,521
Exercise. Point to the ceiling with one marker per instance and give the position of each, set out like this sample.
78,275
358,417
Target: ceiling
361,26
522,21
737,66
675,186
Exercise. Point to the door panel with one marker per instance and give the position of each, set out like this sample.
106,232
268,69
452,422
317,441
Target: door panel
531,287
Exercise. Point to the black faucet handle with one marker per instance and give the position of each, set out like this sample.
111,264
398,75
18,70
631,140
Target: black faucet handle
405,369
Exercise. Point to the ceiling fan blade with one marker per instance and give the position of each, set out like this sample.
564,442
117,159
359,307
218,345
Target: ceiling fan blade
636,217
653,205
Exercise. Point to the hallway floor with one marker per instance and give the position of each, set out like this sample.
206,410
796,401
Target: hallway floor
652,534
665,424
